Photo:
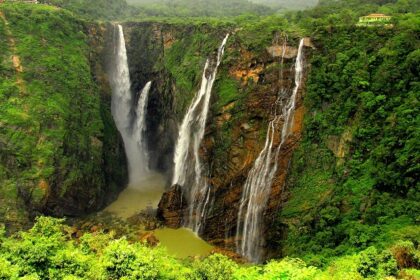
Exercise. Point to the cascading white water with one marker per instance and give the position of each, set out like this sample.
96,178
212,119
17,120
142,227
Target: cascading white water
187,166
257,188
139,130
130,121
120,82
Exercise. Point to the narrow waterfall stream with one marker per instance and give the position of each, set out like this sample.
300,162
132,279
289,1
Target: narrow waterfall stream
139,130
130,121
145,186
188,169
257,188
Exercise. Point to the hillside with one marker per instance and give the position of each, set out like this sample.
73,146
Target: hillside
288,4
288,143
95,9
56,130
353,178
197,8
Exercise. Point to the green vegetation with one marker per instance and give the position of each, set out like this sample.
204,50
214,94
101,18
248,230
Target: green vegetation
257,32
121,9
227,90
96,9
342,13
287,4
51,120
353,193
185,60
354,179
197,8
47,251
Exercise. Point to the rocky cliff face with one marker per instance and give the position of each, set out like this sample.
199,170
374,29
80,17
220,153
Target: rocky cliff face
172,57
86,177
60,151
84,197
242,100
242,123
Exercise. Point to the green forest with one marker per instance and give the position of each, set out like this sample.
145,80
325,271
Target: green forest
47,251
349,206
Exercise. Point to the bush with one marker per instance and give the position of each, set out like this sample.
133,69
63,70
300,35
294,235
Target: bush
214,267
376,264
46,252
406,255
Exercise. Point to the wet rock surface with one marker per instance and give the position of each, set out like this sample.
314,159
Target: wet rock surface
172,206
235,135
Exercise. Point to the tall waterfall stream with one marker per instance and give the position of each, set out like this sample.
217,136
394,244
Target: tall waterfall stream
257,188
130,120
188,169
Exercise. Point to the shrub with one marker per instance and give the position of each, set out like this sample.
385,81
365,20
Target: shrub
406,255
214,267
375,264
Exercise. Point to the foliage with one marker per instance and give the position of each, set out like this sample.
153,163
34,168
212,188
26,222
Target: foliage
371,263
185,60
256,33
215,267
197,8
96,9
119,9
331,13
47,252
406,254
51,121
288,4
363,97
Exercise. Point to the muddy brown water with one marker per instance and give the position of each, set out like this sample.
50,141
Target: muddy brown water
146,194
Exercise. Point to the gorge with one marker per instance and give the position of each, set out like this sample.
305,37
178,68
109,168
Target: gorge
249,146
195,194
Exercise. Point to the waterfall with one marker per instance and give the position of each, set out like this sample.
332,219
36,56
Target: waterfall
130,121
120,82
140,127
187,165
257,187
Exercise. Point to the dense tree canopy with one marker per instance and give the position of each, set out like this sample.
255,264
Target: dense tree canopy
47,251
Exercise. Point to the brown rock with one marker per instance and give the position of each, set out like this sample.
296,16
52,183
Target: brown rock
149,238
307,42
247,138
228,107
95,229
246,74
171,207
277,51
340,145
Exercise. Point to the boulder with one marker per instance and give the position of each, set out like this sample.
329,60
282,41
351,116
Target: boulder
149,238
172,206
